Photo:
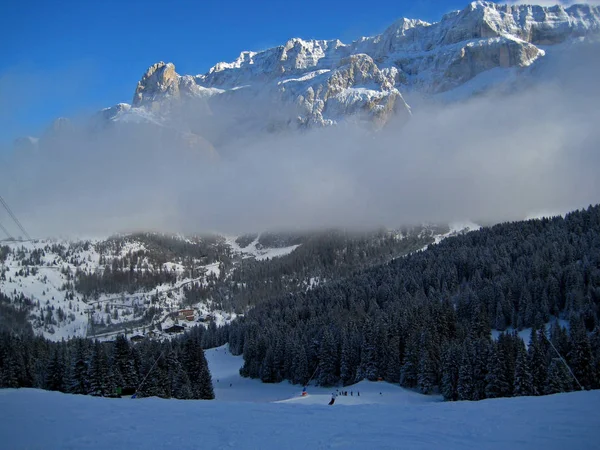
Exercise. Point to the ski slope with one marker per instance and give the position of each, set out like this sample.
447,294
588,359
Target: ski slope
229,386
33,419
250,415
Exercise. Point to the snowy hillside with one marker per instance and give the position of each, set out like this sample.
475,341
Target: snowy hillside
43,276
145,283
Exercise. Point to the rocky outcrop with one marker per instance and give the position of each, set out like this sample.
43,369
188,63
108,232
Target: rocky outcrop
159,81
114,112
356,86
329,81
323,82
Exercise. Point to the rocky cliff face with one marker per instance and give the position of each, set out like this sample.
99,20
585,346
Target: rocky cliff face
323,82
329,81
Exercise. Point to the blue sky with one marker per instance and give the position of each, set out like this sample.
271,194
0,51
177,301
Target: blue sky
72,57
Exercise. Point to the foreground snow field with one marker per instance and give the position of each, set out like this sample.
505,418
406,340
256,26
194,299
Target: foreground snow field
248,414
31,419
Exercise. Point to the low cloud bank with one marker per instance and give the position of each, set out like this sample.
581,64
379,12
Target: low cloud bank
493,158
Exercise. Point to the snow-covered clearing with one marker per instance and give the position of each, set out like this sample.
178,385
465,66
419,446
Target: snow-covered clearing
525,333
259,253
229,386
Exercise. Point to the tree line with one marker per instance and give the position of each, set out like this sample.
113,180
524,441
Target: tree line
174,368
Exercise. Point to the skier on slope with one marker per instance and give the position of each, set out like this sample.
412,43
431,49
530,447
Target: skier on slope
332,401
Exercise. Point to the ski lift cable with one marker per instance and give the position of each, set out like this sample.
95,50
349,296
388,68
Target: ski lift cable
12,215
563,360
5,231
313,375
149,372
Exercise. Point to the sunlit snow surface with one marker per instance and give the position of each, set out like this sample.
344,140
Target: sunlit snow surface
251,415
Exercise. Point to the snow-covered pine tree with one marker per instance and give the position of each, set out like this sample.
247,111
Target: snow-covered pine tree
480,362
497,385
410,366
267,370
79,373
580,357
206,391
426,377
98,370
123,358
368,354
450,367
300,367
538,361
559,378
326,372
394,360
56,375
465,374
196,367
523,378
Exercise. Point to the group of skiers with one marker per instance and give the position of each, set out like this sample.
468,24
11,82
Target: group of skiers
344,393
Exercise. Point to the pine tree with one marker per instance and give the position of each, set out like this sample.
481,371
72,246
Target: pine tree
78,379
538,361
205,381
523,378
98,371
10,375
580,357
464,387
347,373
394,361
368,354
125,364
197,370
410,366
327,361
497,384
181,387
56,379
426,375
480,363
174,371
559,378
267,370
450,368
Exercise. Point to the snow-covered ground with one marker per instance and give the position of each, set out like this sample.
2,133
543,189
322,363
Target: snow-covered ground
525,333
229,386
42,271
250,415
254,250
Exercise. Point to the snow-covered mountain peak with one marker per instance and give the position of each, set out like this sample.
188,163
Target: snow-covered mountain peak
324,82
246,57
116,111
159,79
401,26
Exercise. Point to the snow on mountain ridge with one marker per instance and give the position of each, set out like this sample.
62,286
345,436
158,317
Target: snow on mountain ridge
309,83
409,55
